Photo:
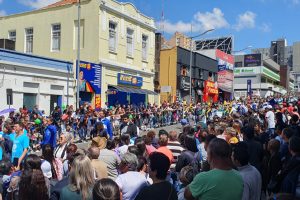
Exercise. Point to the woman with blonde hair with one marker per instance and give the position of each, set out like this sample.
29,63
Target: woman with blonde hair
81,180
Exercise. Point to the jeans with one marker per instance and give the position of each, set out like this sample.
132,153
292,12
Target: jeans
82,133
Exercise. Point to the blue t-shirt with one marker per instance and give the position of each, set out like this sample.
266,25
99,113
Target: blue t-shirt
20,143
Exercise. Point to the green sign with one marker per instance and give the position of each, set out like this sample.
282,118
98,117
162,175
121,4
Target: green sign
244,70
271,74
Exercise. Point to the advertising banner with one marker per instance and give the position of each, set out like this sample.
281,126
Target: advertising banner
225,61
252,60
249,89
126,79
90,77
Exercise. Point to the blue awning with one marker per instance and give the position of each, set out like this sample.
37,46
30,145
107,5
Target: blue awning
132,90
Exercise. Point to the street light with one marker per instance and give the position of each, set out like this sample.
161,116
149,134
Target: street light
248,47
191,54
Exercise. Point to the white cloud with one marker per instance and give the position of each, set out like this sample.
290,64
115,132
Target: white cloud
171,28
245,21
211,20
201,22
36,4
2,13
265,28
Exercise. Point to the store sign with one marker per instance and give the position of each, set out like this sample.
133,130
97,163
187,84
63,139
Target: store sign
225,61
98,101
90,77
251,60
126,79
225,75
211,87
246,70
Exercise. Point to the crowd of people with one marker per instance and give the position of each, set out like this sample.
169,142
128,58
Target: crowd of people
245,149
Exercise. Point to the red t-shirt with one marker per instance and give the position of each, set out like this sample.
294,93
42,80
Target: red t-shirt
167,152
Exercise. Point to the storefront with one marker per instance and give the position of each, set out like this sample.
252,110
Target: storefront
211,91
90,84
128,91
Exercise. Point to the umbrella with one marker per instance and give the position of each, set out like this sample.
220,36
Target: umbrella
7,110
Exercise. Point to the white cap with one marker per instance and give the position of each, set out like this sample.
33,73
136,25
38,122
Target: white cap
46,168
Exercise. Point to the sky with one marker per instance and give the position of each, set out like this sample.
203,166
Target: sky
252,22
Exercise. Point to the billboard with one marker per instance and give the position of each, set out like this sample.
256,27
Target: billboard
225,70
130,80
90,77
252,60
225,61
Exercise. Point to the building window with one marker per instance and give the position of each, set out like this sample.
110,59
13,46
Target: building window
12,35
55,38
112,36
201,76
177,41
28,40
129,42
144,47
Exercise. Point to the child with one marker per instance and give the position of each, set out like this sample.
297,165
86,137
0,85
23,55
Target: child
186,176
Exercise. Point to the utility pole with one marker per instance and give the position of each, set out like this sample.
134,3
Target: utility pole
78,55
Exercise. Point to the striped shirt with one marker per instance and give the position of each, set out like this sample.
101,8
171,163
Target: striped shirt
176,150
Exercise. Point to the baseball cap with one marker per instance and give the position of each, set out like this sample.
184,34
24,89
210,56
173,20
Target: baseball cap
46,169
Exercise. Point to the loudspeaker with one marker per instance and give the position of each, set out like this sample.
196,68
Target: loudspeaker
9,96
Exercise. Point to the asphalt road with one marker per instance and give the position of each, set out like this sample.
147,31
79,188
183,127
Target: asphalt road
85,145
177,127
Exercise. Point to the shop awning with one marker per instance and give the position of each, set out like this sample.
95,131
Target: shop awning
132,90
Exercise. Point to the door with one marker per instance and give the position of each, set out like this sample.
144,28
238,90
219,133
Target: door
29,100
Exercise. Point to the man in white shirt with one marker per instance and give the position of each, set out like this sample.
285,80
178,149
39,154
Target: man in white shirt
270,118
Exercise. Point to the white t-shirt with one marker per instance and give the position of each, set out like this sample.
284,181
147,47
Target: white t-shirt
270,117
130,188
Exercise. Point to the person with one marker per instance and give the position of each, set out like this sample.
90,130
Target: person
99,166
270,118
125,141
287,178
81,180
106,189
210,185
106,124
110,158
20,146
160,189
56,163
163,142
175,147
49,134
128,127
57,188
187,156
230,135
128,187
63,142
71,150
251,176
32,185
186,176
255,149
98,130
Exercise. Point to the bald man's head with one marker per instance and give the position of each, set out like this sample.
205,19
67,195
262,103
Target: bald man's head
93,152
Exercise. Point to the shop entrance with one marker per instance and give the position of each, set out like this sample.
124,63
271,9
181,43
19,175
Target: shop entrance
55,100
85,97
29,100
